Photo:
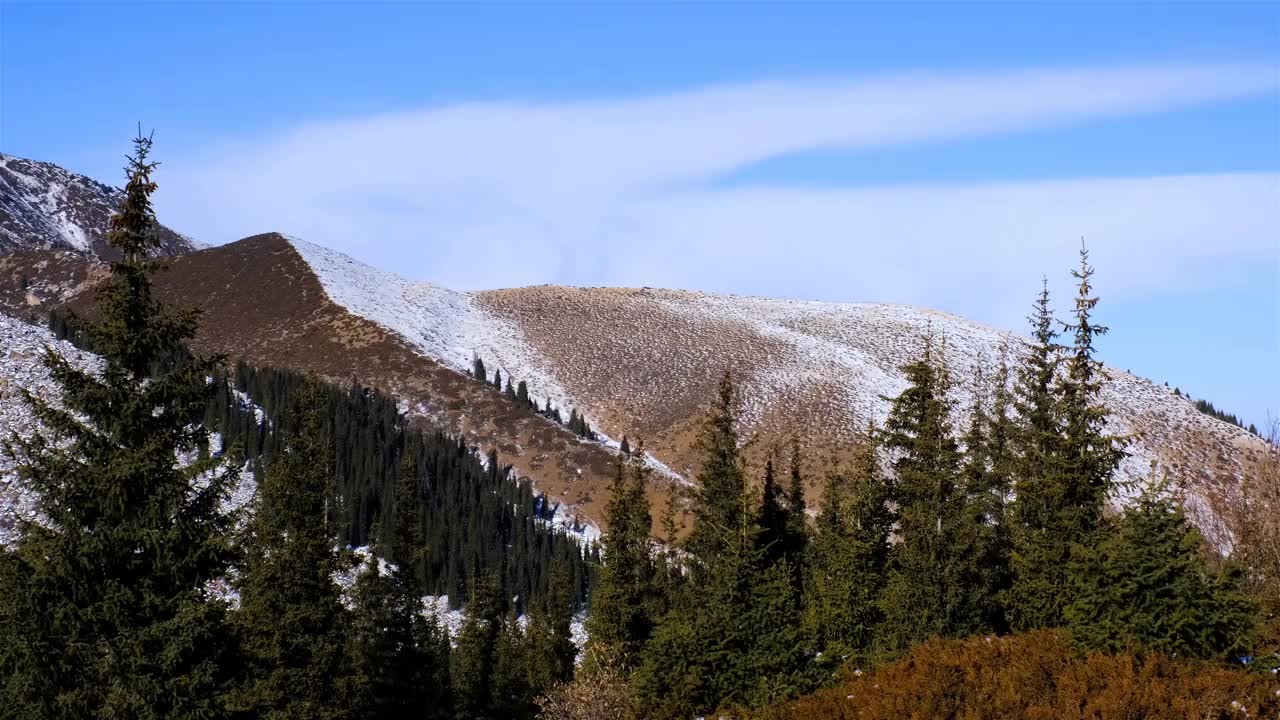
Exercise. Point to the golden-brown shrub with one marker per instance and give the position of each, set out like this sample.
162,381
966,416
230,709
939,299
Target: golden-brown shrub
601,694
1038,676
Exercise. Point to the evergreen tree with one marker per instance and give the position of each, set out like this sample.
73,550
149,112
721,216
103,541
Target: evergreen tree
511,697
1066,461
1090,456
497,378
797,538
735,639
718,504
986,487
291,625
103,603
625,447
478,371
474,659
522,394
508,390
773,516
848,558
931,587
550,640
619,623
1146,585
1040,556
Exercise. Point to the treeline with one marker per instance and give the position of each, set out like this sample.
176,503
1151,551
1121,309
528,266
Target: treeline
141,594
1207,408
928,532
519,393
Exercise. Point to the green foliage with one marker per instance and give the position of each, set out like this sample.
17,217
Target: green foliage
291,626
932,586
848,558
1066,460
477,370
103,608
734,635
718,507
1147,585
621,620
474,660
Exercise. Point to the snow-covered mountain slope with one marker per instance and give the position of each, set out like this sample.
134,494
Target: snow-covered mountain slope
43,206
22,368
644,362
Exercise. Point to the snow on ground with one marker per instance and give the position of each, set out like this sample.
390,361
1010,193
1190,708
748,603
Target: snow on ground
22,368
832,363
447,326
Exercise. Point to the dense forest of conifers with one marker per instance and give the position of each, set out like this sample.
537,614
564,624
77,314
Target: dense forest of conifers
475,518
954,569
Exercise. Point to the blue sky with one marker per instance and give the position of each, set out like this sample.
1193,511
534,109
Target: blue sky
938,154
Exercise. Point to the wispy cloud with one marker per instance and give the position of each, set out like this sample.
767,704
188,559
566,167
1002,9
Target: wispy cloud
619,191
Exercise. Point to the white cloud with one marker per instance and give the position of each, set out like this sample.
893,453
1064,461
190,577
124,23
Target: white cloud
616,191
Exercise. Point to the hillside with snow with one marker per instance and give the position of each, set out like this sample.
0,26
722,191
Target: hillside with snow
46,207
644,362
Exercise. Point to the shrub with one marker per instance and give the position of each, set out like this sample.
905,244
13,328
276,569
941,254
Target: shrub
1038,676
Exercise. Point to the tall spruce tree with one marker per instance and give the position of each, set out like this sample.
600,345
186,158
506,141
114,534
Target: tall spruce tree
718,504
292,627
848,558
986,490
736,638
103,604
1040,555
551,650
774,516
1066,460
1090,456
474,660
797,531
931,586
620,622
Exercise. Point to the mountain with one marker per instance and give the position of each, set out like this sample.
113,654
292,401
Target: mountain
43,206
636,362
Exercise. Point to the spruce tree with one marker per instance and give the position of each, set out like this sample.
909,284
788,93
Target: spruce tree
497,378
773,516
735,638
797,538
625,447
474,660
550,638
718,503
478,371
103,604
620,622
292,627
986,488
848,558
931,587
1040,554
1146,584
1090,456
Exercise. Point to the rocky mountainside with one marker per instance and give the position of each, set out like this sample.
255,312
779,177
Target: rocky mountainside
45,207
636,362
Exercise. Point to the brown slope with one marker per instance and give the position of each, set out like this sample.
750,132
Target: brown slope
262,304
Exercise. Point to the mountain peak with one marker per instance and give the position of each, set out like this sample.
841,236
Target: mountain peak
47,207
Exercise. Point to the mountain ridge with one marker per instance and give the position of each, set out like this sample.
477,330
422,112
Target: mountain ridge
46,207
636,362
